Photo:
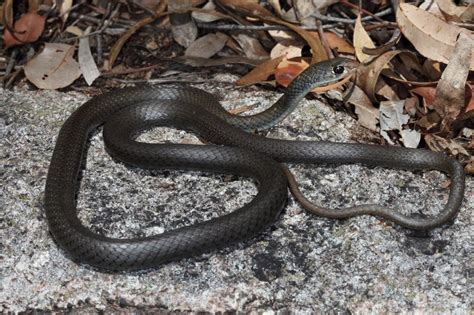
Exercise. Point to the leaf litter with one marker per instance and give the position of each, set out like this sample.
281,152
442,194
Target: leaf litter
414,85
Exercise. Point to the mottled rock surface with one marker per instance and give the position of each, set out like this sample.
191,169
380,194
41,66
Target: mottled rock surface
303,263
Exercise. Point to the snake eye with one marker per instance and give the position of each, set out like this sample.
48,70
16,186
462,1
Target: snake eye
338,69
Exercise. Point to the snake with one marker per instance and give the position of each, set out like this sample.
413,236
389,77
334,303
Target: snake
233,148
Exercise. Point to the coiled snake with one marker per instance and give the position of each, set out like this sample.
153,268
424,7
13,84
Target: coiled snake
129,111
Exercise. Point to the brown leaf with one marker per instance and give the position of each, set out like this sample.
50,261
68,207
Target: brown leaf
470,106
288,51
450,92
207,46
28,29
431,36
361,40
251,47
427,93
6,10
54,67
336,42
253,9
247,7
455,13
368,74
317,49
260,72
207,17
288,70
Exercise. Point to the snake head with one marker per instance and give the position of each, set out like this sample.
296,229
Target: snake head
338,68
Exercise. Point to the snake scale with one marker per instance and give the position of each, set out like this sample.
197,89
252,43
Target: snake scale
127,112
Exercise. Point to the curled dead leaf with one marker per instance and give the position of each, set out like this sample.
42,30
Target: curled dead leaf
28,29
361,39
431,36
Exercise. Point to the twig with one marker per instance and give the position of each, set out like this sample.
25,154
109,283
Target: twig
324,42
100,59
11,62
352,21
375,16
239,27
130,70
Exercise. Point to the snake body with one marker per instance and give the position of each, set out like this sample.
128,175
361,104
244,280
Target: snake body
127,112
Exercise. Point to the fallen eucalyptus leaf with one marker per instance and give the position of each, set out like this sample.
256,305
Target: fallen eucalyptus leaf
206,17
28,27
361,39
207,46
86,61
450,93
54,67
452,12
431,36
260,72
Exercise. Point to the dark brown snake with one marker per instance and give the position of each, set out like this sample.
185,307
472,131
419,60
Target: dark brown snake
127,112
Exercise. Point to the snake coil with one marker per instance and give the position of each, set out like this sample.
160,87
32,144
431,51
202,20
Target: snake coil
127,112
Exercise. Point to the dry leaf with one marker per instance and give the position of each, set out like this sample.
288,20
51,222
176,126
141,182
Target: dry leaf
432,7
431,36
288,70
251,47
253,9
393,118
368,74
64,9
247,7
261,72
366,112
207,46
450,92
206,17
183,27
54,67
361,40
436,143
318,51
28,29
287,51
470,106
455,13
427,93
7,12
336,42
86,61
